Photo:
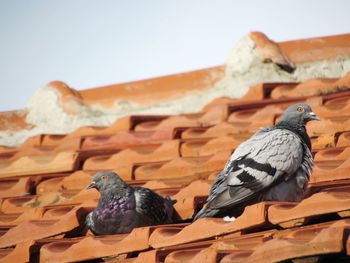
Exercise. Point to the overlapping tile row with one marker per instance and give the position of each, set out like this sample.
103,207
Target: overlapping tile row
249,238
44,201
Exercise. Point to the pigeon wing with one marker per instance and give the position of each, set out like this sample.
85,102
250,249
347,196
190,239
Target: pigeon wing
151,206
264,159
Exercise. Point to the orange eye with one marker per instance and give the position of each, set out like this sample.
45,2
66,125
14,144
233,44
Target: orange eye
300,109
104,178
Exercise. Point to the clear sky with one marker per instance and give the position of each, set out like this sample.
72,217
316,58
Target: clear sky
90,43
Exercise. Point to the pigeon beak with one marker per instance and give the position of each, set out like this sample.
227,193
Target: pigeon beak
92,185
313,116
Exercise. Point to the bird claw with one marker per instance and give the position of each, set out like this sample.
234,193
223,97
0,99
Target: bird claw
229,219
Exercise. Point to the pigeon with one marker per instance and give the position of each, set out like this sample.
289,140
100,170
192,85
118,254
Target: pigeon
275,164
121,207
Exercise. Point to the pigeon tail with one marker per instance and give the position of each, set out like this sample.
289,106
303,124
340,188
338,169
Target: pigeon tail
206,213
169,201
169,209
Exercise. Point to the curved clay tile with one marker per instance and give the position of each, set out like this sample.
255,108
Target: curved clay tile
334,125
222,129
204,228
344,139
40,164
182,167
337,154
323,141
269,51
298,243
291,214
70,99
77,180
312,87
13,219
90,247
330,170
21,253
126,139
15,187
123,161
33,230
318,48
191,148
14,121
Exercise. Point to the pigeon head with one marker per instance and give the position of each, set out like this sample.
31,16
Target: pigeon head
104,181
299,114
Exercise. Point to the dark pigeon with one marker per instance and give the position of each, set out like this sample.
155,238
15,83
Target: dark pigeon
273,165
122,207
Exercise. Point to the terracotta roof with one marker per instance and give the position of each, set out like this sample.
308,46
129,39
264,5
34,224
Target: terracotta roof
255,59
42,182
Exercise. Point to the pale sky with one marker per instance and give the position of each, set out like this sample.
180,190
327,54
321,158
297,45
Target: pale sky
88,43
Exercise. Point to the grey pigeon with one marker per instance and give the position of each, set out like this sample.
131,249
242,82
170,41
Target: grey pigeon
122,207
273,165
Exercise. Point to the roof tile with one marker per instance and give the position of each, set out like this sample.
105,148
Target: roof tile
42,185
36,229
124,160
123,140
8,220
253,216
330,170
181,166
344,139
20,253
295,214
302,242
205,147
15,187
90,247
39,164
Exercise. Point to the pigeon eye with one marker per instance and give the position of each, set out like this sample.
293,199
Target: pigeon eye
104,178
300,109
